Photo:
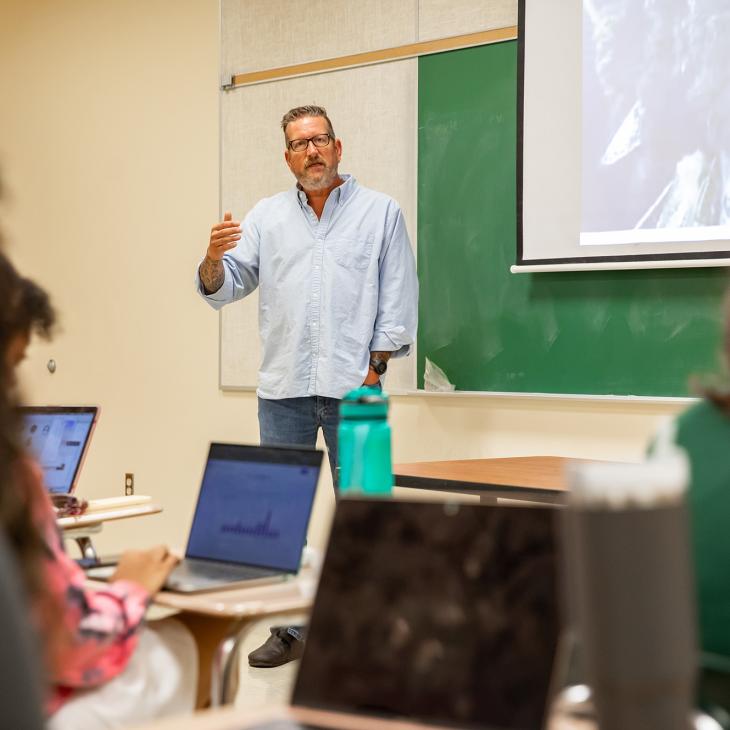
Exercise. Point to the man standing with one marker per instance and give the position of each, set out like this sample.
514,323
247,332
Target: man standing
338,297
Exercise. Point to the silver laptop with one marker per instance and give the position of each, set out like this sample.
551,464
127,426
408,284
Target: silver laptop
59,437
439,614
251,518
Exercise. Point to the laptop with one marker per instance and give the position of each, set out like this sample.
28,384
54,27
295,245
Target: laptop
437,614
251,519
59,437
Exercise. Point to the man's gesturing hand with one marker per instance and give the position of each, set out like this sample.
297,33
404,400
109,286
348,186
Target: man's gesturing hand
223,237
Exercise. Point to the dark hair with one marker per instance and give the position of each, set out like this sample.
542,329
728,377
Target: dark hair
310,110
24,307
16,517
716,388
34,312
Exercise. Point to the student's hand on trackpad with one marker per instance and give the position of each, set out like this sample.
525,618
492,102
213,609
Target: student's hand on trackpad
149,568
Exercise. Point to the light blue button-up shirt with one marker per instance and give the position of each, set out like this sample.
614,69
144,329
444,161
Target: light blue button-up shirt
331,290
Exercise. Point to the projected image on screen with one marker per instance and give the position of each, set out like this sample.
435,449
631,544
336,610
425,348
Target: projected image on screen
655,121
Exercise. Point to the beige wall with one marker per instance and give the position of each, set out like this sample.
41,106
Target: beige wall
109,149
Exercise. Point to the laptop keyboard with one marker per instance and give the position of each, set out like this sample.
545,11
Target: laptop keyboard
192,568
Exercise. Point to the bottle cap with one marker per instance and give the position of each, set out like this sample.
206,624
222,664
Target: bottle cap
364,403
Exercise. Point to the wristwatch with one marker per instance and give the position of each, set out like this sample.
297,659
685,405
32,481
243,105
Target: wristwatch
379,366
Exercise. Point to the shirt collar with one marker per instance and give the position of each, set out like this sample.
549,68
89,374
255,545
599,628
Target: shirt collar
341,193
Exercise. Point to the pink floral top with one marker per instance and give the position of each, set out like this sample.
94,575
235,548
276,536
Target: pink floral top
102,625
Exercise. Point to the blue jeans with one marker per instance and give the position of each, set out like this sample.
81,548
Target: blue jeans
295,422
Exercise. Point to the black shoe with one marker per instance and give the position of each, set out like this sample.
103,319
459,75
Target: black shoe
281,647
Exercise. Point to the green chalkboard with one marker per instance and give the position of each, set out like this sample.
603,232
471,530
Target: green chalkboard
601,332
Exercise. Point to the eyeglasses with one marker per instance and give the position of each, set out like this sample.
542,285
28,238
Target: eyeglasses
299,145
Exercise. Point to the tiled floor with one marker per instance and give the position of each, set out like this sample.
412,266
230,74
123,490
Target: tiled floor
265,687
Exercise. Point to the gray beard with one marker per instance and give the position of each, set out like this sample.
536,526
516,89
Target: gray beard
323,183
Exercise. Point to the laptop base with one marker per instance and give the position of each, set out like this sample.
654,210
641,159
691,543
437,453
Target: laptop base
193,576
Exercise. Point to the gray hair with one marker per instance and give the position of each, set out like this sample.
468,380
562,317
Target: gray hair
310,110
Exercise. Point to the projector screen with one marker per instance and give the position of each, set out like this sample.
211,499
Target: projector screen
624,147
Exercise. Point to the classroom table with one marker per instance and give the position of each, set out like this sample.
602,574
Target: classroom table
530,478
224,617
236,719
80,528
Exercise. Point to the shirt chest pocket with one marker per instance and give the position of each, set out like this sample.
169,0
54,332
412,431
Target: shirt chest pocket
353,253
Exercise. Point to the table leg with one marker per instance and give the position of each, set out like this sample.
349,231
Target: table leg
225,668
88,552
82,537
218,639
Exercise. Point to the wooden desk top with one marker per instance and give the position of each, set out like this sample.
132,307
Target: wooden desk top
538,473
95,518
294,594
231,718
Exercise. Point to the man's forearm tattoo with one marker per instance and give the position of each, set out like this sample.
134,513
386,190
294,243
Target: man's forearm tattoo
212,274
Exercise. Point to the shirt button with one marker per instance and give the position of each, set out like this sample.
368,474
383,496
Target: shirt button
314,324
315,296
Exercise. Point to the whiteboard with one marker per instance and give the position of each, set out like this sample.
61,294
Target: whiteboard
359,102
266,34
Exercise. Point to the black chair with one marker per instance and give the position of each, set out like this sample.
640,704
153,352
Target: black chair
21,698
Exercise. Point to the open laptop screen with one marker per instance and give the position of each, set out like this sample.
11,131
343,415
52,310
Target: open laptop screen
254,505
439,613
58,437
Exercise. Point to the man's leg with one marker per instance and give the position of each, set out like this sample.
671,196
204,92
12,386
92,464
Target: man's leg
285,422
328,417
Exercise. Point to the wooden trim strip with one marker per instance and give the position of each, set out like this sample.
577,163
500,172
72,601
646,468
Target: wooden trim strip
364,59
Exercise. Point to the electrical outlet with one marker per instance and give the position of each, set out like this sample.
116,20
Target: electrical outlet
128,484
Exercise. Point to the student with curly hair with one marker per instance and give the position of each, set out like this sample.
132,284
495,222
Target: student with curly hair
105,667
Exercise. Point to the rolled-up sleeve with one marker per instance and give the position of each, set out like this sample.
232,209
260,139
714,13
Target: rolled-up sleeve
397,317
241,266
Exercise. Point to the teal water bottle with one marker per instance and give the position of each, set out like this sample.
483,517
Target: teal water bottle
363,443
